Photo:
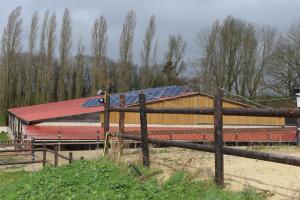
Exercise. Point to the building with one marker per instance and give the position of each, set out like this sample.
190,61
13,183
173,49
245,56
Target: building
78,119
186,99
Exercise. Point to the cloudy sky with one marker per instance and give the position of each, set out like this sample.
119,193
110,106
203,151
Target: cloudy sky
184,17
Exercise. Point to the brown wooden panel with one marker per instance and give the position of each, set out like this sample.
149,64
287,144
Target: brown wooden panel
193,101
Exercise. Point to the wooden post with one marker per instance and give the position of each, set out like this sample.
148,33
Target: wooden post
121,124
97,143
55,156
106,123
44,154
144,131
32,149
218,140
15,139
58,140
70,157
298,132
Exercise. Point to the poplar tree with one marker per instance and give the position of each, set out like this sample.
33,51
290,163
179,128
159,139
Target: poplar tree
125,61
64,53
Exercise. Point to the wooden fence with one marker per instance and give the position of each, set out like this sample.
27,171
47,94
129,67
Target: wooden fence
218,146
32,151
14,143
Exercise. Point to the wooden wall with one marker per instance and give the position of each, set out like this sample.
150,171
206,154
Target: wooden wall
197,100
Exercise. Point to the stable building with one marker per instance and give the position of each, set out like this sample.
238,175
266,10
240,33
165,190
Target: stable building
186,98
82,119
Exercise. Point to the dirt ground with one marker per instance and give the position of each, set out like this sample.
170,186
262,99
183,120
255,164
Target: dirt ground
278,180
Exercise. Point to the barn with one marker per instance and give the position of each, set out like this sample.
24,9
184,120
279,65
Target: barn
82,119
184,97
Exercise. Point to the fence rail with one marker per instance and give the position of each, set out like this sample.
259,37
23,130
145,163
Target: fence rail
33,151
264,112
14,143
218,147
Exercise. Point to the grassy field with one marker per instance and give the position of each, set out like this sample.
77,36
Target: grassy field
104,180
8,177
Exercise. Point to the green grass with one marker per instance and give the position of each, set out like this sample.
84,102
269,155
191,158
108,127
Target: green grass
3,136
9,177
106,181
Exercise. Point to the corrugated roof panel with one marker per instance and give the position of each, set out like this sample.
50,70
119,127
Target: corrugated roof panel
54,110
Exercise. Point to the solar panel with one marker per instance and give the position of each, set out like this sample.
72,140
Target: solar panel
92,103
86,103
114,99
132,97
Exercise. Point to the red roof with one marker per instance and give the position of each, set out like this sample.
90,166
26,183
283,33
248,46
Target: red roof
54,110
165,133
37,113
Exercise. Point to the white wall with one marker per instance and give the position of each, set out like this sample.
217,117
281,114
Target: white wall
3,128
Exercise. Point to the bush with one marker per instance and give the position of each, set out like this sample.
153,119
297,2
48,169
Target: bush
2,120
4,136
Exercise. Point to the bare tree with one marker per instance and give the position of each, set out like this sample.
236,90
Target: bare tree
40,67
146,57
50,76
10,51
64,51
174,59
284,72
235,56
99,73
79,71
31,61
264,51
126,45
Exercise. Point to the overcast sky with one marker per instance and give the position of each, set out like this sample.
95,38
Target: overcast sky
184,17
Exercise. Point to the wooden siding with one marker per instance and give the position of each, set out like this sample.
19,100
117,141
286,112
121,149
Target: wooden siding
197,100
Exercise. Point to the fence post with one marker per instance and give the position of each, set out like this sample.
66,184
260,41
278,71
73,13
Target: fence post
121,124
55,156
144,131
32,149
59,138
97,143
106,123
218,139
298,132
44,154
70,157
15,139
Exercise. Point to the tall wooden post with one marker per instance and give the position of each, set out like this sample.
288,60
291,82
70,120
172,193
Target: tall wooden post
298,132
144,131
32,149
59,140
44,154
98,138
218,139
121,124
106,123
70,157
55,156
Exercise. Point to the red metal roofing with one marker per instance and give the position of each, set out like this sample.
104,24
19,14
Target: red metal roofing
166,133
72,107
54,110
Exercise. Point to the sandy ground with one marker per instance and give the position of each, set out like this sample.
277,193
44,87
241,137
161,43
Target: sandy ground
278,180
